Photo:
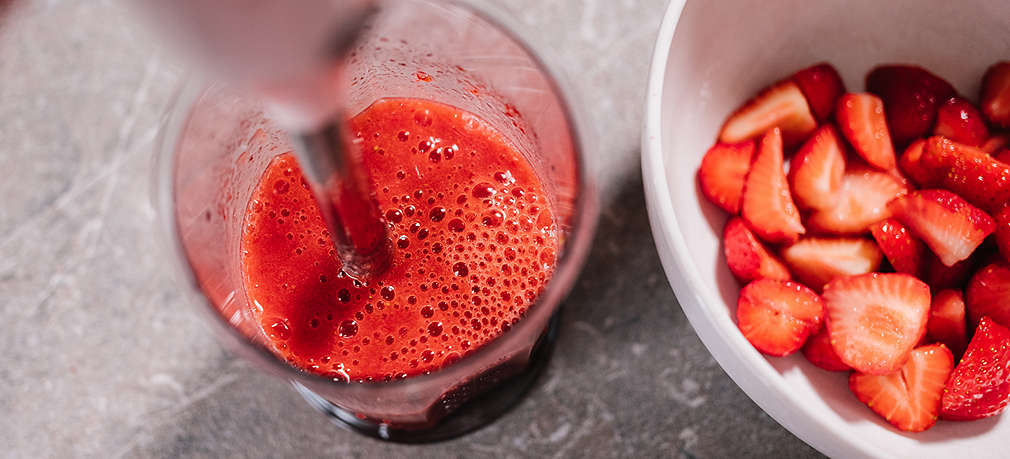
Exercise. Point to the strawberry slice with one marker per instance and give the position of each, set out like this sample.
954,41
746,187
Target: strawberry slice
747,257
946,322
1003,232
980,385
996,94
910,163
819,352
909,398
876,319
722,173
996,143
782,105
816,172
777,316
817,261
959,120
971,173
767,206
988,294
822,87
1002,156
861,202
861,120
950,226
911,97
940,276
906,253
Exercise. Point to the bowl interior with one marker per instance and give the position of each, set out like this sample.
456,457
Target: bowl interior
717,55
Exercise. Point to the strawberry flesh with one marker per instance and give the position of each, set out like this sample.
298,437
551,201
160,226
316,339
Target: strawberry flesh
817,169
988,294
909,398
722,173
980,385
782,105
911,97
819,352
946,322
906,253
951,227
995,95
861,202
971,173
777,316
767,205
822,86
747,257
817,261
861,119
959,120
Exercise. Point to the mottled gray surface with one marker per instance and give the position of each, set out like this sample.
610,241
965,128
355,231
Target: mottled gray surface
101,358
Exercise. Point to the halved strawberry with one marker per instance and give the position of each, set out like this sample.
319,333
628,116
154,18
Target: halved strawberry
747,257
861,120
996,143
767,205
946,322
861,202
988,294
816,172
951,227
996,94
1002,156
911,96
1003,232
777,316
909,398
906,253
816,261
822,87
910,163
940,276
781,105
959,120
819,352
980,385
971,173
876,319
722,173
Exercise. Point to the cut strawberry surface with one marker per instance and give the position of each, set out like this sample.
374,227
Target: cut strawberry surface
861,202
1003,232
971,173
819,352
940,276
911,97
959,120
816,261
980,385
946,322
988,294
747,257
951,227
861,119
767,205
910,163
782,105
822,86
777,316
909,398
722,173
817,169
996,143
996,94
906,253
875,320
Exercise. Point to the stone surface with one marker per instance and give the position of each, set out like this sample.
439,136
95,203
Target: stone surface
102,358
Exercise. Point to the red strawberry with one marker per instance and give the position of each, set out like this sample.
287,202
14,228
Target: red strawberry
940,276
950,226
861,202
722,173
996,143
971,173
816,172
988,294
861,120
910,163
1002,156
782,105
817,261
876,319
911,96
778,316
819,352
747,257
980,385
909,398
959,120
822,87
996,94
767,206
906,253
1003,232
946,321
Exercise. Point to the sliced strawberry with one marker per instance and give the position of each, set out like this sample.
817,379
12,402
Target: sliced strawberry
816,172
876,319
722,173
1003,232
909,398
959,120
971,173
906,253
980,385
1002,156
996,94
817,261
996,143
951,227
819,352
946,321
782,105
767,206
861,120
911,96
861,202
777,316
747,257
822,87
910,163
940,276
988,294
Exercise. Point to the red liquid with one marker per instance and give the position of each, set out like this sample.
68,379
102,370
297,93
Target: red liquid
474,244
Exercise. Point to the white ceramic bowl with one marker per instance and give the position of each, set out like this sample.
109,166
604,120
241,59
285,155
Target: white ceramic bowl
712,56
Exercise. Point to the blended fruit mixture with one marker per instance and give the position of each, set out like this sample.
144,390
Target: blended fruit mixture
474,244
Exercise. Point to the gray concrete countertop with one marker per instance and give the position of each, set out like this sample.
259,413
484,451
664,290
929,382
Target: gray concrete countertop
102,358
